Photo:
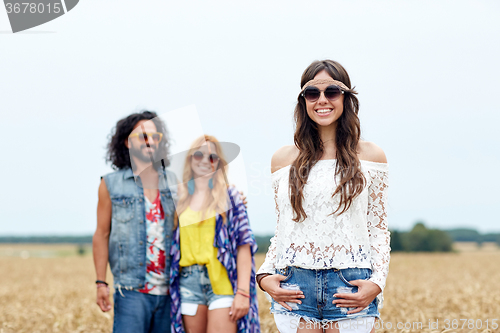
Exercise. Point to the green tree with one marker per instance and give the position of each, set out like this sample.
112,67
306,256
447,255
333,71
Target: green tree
421,239
396,241
439,241
464,235
417,238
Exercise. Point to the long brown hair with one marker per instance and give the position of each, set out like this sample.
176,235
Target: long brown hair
218,198
308,141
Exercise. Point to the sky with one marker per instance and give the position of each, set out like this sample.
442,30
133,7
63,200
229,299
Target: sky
427,74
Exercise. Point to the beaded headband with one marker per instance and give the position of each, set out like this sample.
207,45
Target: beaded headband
322,81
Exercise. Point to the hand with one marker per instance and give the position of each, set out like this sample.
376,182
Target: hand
367,291
244,199
103,299
271,284
239,308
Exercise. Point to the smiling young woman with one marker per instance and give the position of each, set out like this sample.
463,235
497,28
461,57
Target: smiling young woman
329,258
213,270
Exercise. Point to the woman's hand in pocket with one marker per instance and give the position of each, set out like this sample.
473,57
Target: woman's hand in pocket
367,291
271,284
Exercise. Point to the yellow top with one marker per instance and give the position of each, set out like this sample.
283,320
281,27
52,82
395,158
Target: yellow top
197,239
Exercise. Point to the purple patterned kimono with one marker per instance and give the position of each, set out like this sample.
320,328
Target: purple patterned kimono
228,237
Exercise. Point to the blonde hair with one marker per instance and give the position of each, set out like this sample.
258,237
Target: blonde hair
217,199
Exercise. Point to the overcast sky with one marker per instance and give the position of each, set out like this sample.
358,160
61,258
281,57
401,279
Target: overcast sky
427,73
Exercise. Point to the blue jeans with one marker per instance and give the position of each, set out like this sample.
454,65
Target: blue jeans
137,312
318,287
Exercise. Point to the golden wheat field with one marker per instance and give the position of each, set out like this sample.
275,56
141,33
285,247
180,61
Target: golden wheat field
50,289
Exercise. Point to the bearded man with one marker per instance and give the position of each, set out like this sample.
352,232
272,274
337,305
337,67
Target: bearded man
135,215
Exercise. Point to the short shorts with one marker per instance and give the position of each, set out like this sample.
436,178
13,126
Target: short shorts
196,289
318,287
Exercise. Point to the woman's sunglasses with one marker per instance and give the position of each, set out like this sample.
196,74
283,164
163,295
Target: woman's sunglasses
143,137
198,156
312,94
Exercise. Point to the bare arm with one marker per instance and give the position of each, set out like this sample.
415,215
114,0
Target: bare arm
244,267
241,304
100,243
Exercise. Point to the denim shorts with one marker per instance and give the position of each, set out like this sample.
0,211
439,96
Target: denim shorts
196,289
318,287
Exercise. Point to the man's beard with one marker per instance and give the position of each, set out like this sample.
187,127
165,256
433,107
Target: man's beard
143,156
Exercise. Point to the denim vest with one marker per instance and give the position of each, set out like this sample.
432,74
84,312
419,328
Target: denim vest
127,240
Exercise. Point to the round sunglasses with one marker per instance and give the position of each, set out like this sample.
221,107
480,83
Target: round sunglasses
198,156
143,137
312,94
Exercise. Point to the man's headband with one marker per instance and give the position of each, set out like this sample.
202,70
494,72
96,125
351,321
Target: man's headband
322,81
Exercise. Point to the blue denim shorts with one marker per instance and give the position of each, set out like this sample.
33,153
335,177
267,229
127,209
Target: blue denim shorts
196,289
318,287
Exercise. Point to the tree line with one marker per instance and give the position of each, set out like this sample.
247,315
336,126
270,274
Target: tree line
84,239
421,239
418,239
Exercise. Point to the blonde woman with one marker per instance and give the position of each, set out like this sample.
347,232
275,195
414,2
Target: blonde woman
212,271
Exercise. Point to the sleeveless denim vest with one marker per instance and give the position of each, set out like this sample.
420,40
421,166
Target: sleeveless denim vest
127,240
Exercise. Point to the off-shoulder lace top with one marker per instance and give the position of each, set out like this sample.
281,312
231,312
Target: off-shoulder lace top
357,238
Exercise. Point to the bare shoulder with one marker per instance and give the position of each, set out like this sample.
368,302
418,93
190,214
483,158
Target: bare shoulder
369,151
180,190
283,157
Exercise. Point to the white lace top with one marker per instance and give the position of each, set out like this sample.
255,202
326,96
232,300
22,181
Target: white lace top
357,238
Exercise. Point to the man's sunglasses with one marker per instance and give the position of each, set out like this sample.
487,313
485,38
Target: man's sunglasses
312,94
143,137
213,158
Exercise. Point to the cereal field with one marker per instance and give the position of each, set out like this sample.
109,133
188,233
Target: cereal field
51,289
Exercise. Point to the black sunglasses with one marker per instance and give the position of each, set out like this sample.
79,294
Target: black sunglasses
213,158
312,94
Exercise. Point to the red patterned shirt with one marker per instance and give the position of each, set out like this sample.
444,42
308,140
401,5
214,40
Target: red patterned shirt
155,249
